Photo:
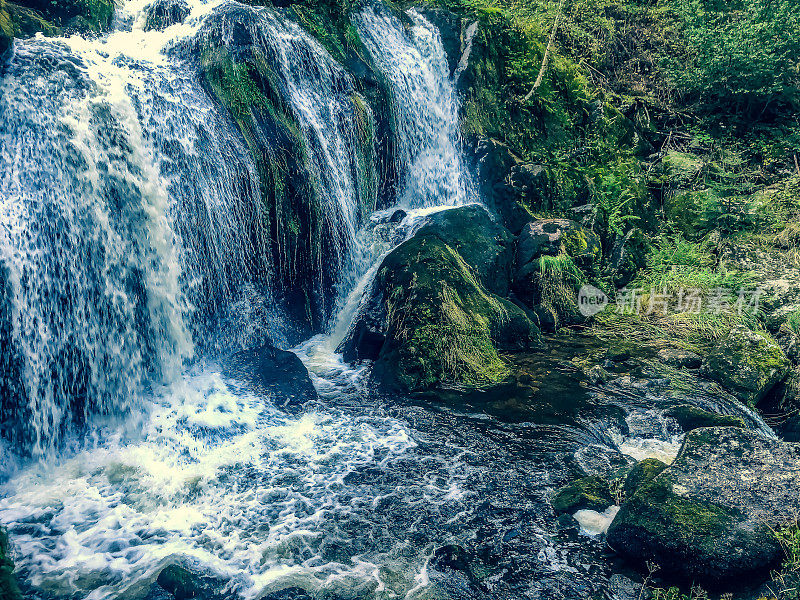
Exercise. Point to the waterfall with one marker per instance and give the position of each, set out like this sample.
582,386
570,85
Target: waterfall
133,234
424,109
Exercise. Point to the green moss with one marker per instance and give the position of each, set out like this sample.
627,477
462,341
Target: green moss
444,327
642,472
590,493
555,282
690,417
656,507
366,157
748,363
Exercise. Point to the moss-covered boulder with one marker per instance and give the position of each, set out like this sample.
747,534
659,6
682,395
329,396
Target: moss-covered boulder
163,13
691,417
709,517
430,319
551,258
9,590
747,363
641,473
587,493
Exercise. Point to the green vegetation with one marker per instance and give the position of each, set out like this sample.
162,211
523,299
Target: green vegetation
591,493
785,583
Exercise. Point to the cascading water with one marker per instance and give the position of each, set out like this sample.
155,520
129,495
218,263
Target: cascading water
136,235
424,108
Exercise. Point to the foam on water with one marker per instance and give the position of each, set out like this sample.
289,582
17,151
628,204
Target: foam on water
217,477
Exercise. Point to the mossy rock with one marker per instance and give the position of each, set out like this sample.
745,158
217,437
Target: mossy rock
587,493
641,473
691,417
709,517
690,540
9,590
18,20
747,363
429,320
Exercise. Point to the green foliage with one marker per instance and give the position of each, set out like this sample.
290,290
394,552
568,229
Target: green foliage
742,57
785,583
676,263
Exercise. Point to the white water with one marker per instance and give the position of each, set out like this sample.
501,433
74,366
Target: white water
216,477
424,107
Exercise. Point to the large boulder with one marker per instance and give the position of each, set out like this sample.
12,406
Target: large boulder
434,316
709,517
747,363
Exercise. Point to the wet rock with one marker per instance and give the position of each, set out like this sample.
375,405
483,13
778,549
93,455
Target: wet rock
493,165
163,13
485,245
184,584
641,473
709,516
747,363
397,216
587,493
679,358
9,590
597,375
434,316
279,373
691,417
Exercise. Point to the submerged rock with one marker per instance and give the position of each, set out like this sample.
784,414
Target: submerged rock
9,590
434,316
587,493
278,373
747,363
163,13
709,517
184,584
